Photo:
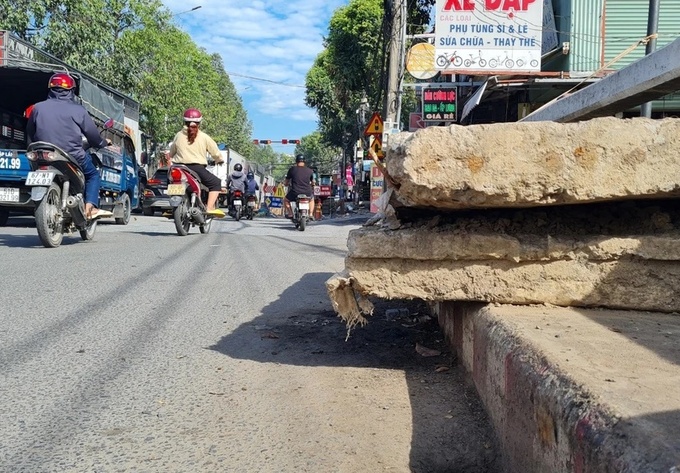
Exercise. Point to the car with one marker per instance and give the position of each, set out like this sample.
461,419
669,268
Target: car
155,193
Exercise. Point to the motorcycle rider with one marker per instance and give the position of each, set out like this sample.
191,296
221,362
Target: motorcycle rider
299,181
63,122
237,181
251,184
190,147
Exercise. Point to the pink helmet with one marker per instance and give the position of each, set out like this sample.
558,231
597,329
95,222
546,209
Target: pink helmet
193,115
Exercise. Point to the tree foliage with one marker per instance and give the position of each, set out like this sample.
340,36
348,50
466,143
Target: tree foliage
133,46
346,69
317,153
353,63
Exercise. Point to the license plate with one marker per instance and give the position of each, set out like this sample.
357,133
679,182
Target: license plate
237,202
176,189
304,206
9,194
251,204
37,178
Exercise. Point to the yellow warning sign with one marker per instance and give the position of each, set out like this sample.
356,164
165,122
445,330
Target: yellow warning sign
376,145
375,125
279,191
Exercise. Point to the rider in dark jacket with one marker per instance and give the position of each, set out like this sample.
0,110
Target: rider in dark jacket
237,181
251,185
63,122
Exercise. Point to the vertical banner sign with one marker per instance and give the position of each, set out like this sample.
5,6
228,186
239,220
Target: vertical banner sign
488,36
440,104
376,187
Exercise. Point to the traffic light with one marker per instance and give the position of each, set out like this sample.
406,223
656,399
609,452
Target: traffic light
256,142
284,141
294,142
266,142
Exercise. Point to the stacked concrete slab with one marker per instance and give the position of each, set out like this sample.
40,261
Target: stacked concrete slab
581,214
495,225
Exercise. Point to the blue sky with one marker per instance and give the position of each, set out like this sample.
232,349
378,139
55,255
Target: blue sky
264,39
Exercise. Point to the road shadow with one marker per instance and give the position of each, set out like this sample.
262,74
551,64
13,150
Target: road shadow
448,435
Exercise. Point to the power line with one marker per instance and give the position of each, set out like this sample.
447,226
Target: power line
265,80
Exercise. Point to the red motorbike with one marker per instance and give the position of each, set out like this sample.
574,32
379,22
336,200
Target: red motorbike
251,206
187,197
236,209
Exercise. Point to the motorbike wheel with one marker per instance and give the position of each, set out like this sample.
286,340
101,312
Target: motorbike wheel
205,227
127,210
182,219
87,233
303,223
237,213
48,219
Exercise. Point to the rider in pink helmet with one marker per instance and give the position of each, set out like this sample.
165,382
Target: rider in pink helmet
190,148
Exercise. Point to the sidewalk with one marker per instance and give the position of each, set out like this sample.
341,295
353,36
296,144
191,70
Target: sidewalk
574,390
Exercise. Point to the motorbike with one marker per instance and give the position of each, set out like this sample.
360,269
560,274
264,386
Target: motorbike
187,196
57,187
251,205
300,209
236,209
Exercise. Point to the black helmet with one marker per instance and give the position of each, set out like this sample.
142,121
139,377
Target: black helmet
300,158
238,167
250,175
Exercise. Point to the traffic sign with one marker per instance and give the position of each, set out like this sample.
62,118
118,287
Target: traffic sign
376,145
375,125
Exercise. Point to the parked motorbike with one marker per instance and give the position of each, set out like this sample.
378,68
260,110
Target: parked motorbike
300,209
236,209
251,206
57,187
187,198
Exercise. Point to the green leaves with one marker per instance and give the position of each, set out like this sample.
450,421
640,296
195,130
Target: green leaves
353,63
133,46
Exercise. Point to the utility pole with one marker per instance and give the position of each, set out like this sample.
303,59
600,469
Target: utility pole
652,28
392,105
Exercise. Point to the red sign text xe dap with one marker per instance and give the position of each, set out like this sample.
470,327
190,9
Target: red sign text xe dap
504,5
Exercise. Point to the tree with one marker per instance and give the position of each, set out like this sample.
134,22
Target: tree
353,62
317,153
277,164
343,72
132,46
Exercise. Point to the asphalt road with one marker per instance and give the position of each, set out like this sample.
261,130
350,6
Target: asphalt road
143,351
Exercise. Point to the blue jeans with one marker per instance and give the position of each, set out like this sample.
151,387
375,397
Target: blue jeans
92,180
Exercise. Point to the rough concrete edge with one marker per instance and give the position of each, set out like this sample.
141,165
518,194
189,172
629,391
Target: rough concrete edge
350,305
594,444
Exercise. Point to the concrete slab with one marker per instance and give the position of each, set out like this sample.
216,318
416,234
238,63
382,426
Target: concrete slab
535,164
574,390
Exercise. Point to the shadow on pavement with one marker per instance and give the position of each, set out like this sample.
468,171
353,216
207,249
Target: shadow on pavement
451,432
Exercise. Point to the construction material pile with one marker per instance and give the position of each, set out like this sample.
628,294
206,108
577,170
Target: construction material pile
580,214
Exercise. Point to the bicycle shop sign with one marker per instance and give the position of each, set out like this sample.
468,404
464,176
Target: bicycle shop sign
440,104
488,36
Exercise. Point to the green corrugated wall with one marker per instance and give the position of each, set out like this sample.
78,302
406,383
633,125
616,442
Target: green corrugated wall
626,23
585,41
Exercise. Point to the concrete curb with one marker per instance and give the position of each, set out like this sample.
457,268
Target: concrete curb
544,420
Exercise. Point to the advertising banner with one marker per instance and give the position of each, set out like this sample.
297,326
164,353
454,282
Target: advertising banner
376,187
488,36
440,104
